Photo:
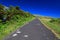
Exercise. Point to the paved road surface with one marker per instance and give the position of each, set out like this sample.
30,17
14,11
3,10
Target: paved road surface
34,30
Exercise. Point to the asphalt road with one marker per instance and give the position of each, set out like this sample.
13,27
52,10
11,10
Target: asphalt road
34,30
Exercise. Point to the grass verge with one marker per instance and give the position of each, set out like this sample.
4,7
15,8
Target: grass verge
9,27
53,27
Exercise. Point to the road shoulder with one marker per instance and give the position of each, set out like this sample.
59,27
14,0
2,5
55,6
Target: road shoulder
50,29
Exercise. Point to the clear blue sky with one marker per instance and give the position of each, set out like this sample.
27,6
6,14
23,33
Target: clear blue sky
40,7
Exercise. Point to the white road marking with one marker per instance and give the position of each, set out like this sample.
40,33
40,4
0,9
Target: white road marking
14,35
18,31
25,35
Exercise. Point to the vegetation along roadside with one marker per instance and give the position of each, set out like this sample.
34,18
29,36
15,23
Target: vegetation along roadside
52,23
12,18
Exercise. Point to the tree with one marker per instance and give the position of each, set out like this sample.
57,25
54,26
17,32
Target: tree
1,7
1,11
10,12
17,8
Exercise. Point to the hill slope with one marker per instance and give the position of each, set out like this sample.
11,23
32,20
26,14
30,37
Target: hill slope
11,19
53,24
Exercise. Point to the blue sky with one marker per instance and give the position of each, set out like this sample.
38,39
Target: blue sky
41,7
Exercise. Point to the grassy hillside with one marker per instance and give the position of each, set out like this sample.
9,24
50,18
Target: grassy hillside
12,18
53,23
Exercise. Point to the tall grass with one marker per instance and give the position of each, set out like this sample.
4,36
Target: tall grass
52,23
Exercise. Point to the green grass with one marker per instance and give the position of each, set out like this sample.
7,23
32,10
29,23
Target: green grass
53,26
12,18
12,25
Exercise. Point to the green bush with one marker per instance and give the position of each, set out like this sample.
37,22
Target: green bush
55,20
